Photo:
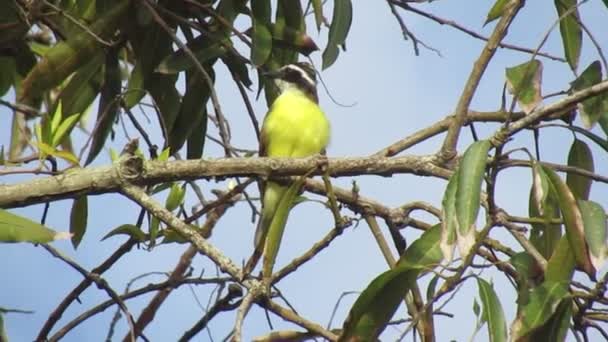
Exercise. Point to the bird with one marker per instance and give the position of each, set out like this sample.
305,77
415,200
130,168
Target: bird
295,127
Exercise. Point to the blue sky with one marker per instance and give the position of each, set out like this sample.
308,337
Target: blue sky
395,93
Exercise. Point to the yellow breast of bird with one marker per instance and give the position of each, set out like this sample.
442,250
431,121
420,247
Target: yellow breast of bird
295,126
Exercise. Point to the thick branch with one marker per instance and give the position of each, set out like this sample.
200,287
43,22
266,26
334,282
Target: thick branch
106,179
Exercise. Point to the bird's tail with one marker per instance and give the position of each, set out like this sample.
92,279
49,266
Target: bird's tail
270,201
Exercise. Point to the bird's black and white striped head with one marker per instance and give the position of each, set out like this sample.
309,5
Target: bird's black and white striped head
299,76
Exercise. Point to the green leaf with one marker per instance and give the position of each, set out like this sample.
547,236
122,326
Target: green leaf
526,266
67,56
496,11
65,128
203,48
175,197
83,87
543,204
153,230
108,105
524,82
570,30
15,228
594,218
196,140
338,30
592,108
192,108
470,176
375,306
317,7
425,252
238,68
449,220
580,156
130,230
7,73
543,302
262,38
78,219
556,329
492,312
560,267
573,221
135,87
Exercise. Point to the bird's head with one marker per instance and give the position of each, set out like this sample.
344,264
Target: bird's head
297,76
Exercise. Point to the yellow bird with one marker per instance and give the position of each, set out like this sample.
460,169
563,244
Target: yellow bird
295,126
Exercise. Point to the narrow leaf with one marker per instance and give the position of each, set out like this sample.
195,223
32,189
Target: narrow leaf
543,302
449,221
560,267
338,30
492,312
108,105
15,228
317,7
262,38
78,219
570,30
573,221
130,230
175,197
496,11
376,305
594,218
470,176
580,156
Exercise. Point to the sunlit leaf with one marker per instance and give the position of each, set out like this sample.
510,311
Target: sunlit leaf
130,230
468,193
496,11
493,313
594,218
524,82
15,228
78,219
560,267
175,197
449,220
573,221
